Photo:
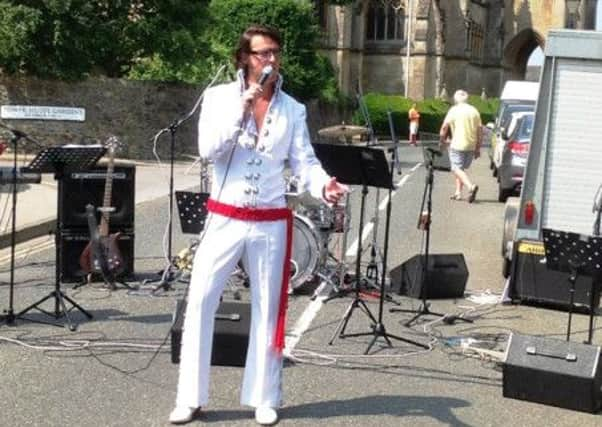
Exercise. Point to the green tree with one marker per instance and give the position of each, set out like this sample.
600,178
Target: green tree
69,39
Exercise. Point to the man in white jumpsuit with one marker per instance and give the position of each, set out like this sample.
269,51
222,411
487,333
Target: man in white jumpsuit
248,130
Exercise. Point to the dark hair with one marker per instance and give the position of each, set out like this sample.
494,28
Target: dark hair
244,42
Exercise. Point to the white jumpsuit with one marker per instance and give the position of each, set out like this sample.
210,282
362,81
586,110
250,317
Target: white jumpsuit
253,180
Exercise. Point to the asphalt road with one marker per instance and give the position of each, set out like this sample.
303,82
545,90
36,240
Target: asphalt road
107,374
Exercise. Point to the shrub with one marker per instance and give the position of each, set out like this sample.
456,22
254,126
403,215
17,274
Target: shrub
432,112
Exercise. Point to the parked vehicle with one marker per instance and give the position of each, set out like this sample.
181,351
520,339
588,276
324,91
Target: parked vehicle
516,96
513,155
562,175
515,114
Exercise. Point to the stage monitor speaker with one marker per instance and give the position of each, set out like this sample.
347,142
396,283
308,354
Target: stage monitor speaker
553,372
230,338
447,276
78,189
72,245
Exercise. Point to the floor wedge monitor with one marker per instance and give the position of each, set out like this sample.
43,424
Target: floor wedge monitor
230,338
446,277
553,372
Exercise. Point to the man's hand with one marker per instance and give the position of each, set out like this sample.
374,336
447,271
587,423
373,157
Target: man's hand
250,95
333,190
477,152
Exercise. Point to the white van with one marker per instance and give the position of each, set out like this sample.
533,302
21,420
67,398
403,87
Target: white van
563,173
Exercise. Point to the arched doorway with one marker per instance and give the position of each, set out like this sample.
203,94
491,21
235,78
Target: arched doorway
518,51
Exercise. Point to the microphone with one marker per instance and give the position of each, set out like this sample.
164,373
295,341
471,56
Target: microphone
597,200
265,73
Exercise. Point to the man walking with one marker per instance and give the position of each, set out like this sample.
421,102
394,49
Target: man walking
464,122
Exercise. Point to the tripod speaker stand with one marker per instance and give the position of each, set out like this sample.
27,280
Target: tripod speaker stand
424,223
61,160
366,167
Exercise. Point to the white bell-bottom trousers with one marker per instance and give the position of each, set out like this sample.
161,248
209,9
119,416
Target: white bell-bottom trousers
261,246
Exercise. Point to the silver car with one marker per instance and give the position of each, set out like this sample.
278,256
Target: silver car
513,157
501,128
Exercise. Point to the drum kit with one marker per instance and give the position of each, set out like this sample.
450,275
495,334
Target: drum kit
315,225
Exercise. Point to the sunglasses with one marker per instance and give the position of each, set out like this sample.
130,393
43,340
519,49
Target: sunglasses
266,54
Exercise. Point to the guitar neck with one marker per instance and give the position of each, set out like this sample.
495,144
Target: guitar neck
106,203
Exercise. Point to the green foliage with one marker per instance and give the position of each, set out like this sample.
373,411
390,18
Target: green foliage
69,39
488,107
432,112
18,24
306,73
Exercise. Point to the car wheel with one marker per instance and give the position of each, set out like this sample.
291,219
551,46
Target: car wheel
503,194
506,265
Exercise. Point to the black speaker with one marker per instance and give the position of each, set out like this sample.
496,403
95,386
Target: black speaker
534,284
78,189
72,244
230,338
447,276
553,372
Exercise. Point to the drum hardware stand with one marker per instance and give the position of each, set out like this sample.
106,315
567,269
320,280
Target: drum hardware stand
60,160
575,254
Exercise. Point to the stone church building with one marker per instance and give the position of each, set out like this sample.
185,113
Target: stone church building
430,48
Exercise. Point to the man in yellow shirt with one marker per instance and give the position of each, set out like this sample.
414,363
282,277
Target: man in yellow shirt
464,122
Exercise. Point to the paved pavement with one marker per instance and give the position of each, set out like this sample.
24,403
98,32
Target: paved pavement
115,370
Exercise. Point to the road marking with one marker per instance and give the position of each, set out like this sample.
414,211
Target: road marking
26,249
312,309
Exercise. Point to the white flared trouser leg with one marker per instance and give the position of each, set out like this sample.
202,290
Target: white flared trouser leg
263,259
216,257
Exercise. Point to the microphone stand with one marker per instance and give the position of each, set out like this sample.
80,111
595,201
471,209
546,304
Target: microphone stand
168,275
10,316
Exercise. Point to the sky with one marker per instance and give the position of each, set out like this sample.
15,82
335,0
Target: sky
536,57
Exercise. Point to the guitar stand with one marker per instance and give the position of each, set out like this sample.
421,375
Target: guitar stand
61,160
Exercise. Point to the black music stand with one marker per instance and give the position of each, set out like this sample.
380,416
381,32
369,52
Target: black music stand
61,160
192,210
576,254
366,167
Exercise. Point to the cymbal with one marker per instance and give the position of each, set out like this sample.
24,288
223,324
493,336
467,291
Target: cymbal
345,131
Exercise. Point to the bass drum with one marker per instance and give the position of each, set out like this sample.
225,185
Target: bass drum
307,251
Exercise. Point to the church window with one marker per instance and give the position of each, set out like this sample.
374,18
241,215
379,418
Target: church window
385,21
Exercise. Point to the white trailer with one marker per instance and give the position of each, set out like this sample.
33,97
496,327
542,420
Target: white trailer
564,169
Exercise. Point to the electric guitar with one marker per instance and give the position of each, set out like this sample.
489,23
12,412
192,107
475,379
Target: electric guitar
101,254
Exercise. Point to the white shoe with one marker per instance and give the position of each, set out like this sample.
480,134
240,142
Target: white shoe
266,416
183,414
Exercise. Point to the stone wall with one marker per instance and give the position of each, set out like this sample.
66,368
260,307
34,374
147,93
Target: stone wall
133,111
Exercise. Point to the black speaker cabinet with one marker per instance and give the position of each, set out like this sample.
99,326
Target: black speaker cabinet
78,189
72,245
553,372
447,276
533,283
230,338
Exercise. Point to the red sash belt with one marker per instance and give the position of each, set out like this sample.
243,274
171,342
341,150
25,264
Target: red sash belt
275,214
